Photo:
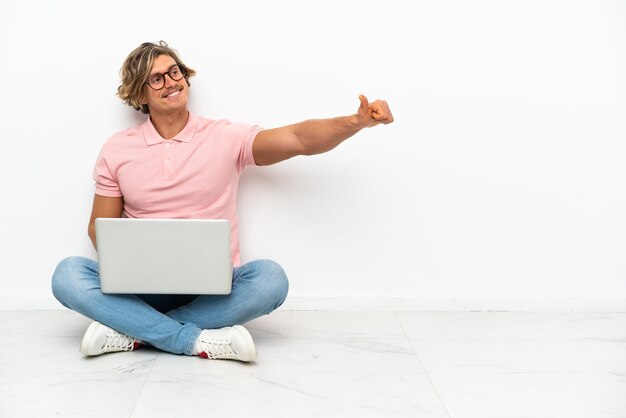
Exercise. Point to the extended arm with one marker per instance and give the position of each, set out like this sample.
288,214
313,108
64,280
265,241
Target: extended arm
317,136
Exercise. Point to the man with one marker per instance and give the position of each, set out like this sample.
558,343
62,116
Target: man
178,165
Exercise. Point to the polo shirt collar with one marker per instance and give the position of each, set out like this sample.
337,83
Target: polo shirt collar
152,137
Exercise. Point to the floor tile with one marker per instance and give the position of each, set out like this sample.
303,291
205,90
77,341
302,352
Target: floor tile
43,374
511,325
620,316
517,342
212,388
313,324
532,395
521,355
334,342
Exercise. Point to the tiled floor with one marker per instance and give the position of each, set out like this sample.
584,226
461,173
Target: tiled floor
331,364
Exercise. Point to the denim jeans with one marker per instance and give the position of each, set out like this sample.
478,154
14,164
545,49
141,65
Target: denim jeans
170,323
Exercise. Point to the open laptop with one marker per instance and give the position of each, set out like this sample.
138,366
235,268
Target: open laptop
164,256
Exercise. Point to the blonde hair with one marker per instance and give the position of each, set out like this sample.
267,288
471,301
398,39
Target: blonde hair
136,70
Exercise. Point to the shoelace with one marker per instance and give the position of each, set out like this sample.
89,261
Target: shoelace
117,341
217,348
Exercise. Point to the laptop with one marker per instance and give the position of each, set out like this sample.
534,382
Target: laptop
164,256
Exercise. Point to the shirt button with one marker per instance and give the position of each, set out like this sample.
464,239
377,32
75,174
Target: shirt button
167,161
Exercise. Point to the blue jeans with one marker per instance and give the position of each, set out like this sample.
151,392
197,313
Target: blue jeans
170,322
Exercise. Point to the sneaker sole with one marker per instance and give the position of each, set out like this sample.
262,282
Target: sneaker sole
245,334
84,344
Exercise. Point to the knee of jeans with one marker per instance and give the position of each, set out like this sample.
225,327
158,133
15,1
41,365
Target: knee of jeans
276,281
64,276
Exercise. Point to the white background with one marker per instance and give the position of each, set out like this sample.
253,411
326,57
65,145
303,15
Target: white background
500,185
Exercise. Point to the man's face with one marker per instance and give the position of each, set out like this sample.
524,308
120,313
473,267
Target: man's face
174,94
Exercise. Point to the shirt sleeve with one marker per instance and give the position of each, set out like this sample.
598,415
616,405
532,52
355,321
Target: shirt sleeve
106,183
246,156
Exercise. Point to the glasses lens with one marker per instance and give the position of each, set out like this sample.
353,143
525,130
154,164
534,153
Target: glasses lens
175,73
156,81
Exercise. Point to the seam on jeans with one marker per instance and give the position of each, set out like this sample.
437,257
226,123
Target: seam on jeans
244,270
192,341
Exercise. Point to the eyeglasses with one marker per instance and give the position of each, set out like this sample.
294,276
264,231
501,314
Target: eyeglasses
157,81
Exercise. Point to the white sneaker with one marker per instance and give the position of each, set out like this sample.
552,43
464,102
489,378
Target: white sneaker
233,343
100,339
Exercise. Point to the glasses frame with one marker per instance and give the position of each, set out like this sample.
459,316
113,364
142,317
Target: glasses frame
181,69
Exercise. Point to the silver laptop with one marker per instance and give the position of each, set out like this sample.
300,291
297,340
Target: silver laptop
166,256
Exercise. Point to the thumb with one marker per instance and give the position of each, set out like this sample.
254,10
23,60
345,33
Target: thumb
364,102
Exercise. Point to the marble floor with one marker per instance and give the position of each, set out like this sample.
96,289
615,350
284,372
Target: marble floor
331,364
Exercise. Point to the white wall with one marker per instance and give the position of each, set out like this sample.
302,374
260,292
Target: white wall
500,185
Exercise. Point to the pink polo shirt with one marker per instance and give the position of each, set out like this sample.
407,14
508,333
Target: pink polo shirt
194,175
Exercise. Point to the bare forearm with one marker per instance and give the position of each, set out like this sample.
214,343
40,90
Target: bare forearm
317,135
92,235
321,135
103,207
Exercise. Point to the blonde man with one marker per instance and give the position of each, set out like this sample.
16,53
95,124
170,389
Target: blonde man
179,165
